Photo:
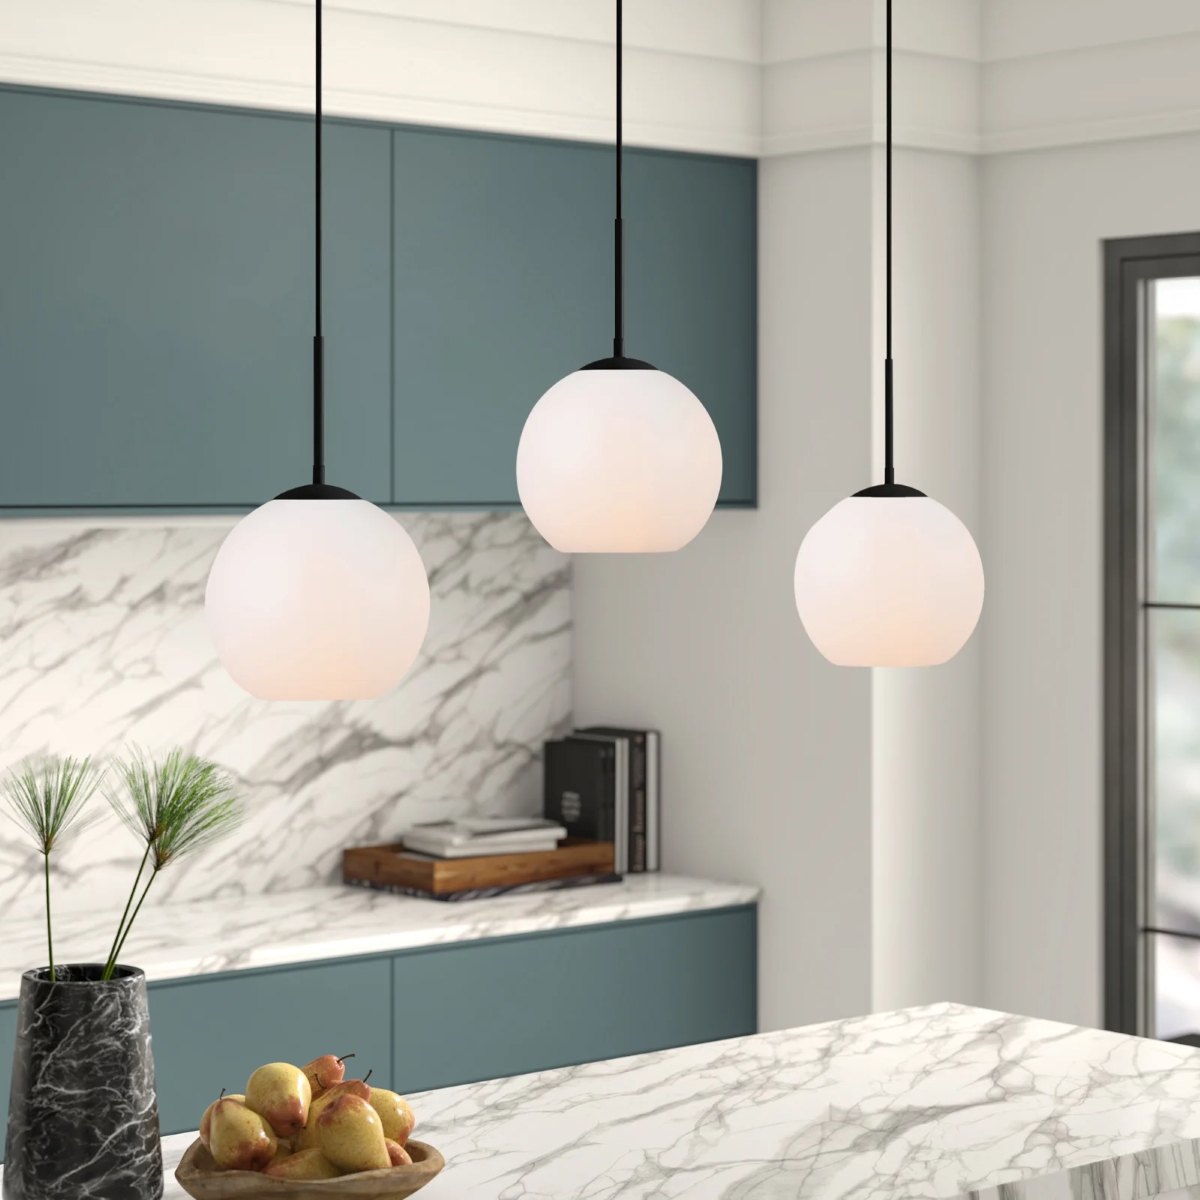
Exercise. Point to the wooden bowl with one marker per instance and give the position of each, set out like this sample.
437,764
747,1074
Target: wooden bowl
200,1176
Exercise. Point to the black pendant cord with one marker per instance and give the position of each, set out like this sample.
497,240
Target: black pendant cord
319,334
619,362
619,225
889,487
889,467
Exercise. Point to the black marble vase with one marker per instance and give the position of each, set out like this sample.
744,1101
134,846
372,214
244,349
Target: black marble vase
83,1117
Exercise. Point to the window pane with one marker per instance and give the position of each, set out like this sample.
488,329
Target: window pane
1176,986
1173,687
1173,552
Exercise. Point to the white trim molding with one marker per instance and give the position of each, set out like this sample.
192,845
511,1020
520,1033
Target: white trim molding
745,77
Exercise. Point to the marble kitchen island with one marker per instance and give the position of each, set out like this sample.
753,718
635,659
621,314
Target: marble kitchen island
930,1103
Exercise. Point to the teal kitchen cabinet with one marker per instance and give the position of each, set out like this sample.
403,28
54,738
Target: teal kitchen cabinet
157,301
484,1010
156,311
453,1014
211,1031
504,284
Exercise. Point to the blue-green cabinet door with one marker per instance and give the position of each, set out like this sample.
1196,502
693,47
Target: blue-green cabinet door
156,308
210,1032
504,284
488,1009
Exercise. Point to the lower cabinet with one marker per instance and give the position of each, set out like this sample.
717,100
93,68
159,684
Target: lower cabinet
452,1014
210,1032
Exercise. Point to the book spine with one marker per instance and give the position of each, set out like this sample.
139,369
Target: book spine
608,805
638,858
653,801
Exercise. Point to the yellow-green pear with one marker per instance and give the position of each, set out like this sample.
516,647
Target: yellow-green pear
308,1139
397,1153
280,1093
351,1135
207,1118
395,1113
239,1139
305,1164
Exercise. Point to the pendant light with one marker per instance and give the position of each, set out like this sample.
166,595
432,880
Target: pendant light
318,594
619,456
889,577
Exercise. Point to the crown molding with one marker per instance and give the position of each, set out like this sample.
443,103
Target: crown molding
742,77
390,60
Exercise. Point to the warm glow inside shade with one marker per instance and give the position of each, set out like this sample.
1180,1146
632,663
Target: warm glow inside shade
621,461
889,582
317,600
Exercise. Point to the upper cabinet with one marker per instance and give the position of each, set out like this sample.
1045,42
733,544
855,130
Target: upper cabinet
156,304
156,301
504,284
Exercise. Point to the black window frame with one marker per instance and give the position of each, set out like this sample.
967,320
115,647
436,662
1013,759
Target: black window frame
1130,264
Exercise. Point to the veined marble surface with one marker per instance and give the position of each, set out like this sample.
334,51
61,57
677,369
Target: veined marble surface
930,1103
177,940
103,644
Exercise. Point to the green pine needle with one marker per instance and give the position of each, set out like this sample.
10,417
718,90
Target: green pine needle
47,796
176,806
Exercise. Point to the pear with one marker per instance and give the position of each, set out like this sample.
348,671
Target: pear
397,1153
207,1118
308,1139
239,1139
283,1148
281,1093
395,1113
324,1072
307,1164
351,1135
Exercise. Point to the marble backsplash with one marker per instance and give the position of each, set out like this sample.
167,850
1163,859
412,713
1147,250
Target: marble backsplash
103,644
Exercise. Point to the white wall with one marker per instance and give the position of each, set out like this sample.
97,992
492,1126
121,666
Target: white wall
767,747
1045,214
926,787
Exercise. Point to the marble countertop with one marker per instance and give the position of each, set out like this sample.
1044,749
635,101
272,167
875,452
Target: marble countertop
176,940
929,1103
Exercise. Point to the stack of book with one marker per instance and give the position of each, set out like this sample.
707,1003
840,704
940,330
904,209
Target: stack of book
602,783
471,837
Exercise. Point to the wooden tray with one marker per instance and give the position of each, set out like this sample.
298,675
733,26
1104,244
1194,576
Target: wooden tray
396,867
200,1177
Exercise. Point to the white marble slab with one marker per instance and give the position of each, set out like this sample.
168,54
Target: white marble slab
930,1103
177,940
103,644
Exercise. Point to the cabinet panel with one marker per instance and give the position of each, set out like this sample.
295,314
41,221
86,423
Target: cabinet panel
490,1009
8,1038
156,314
691,234
504,275
211,1032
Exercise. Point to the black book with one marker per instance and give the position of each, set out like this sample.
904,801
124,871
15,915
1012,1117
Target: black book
643,793
622,841
581,787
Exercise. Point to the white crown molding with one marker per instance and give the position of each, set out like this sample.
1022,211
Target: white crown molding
387,60
1141,88
742,77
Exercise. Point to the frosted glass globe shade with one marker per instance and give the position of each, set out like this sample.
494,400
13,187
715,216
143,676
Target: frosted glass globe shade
618,461
317,600
889,582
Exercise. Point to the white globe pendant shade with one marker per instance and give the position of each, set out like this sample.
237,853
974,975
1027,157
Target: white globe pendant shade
889,581
317,600
618,462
